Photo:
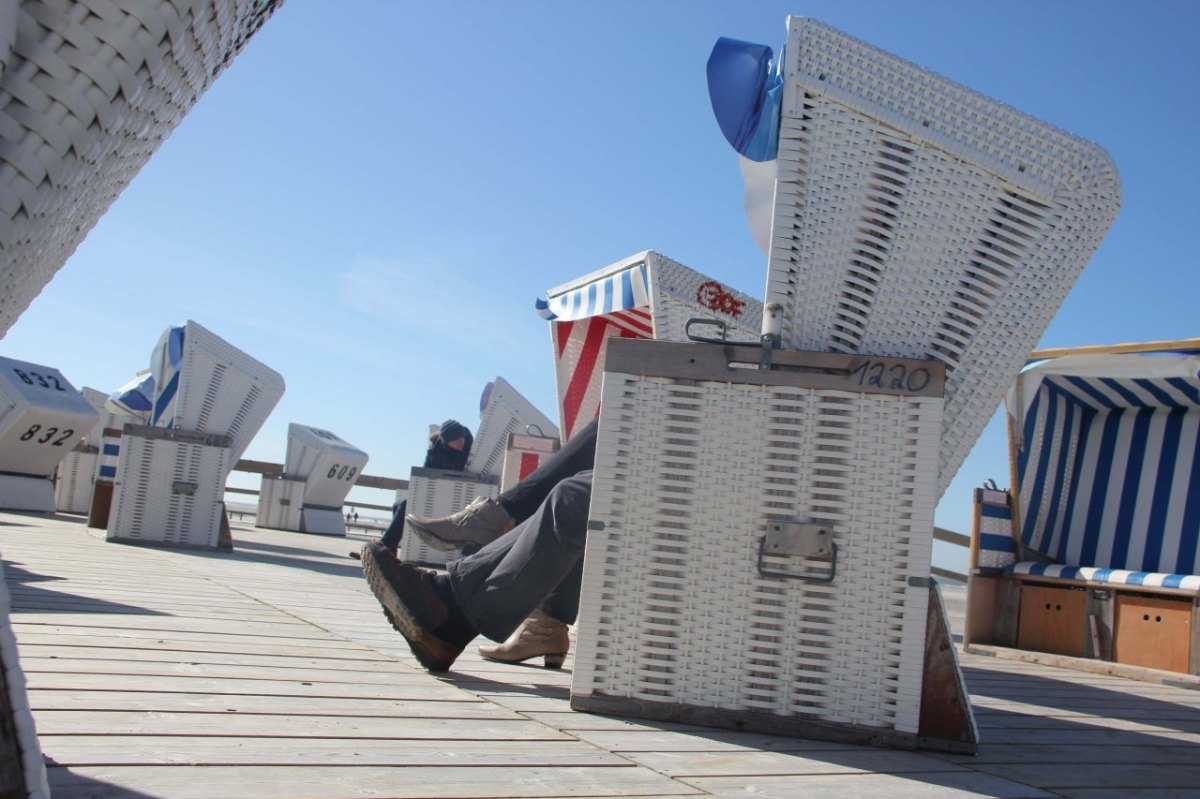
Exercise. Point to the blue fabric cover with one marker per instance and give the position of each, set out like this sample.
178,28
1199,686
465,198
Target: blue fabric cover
745,87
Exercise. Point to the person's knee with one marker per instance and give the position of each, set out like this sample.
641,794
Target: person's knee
569,501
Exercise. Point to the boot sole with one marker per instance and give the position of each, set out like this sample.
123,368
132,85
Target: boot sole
430,651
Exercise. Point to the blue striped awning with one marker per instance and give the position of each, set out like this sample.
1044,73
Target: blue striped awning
1108,462
165,365
621,291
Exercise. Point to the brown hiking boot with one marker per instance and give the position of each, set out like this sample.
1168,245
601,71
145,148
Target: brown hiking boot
480,523
411,605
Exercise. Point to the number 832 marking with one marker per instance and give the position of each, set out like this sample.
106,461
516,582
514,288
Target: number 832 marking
47,435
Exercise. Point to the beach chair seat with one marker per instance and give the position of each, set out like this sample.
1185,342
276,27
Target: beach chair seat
646,295
88,91
503,411
433,493
319,470
210,399
1105,517
42,419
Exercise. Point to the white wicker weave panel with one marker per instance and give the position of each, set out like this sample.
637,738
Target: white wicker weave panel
673,607
916,218
169,491
328,464
433,493
279,502
222,390
88,92
76,475
505,411
33,768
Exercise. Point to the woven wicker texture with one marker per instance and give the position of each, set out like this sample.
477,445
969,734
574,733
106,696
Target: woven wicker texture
89,90
433,493
914,217
279,501
505,411
217,389
77,472
674,609
329,465
169,491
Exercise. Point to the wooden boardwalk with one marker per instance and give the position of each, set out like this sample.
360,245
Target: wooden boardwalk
271,672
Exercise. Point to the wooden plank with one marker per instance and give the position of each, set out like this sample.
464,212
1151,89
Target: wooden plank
383,689
113,669
231,725
1056,776
364,782
754,764
449,704
1117,349
144,750
928,785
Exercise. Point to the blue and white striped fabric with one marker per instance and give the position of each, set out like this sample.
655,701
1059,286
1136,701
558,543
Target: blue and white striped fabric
1101,576
165,365
1109,467
621,291
994,523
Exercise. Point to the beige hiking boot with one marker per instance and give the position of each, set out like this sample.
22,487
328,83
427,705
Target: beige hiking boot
539,635
480,523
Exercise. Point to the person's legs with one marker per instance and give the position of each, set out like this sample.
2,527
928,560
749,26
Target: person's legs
485,520
391,536
499,586
492,591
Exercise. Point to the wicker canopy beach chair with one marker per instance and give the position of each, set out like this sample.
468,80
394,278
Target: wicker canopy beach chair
319,470
1095,551
922,237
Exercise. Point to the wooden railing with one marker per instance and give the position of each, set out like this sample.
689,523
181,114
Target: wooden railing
392,483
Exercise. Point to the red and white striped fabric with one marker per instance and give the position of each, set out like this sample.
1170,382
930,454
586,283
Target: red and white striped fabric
579,360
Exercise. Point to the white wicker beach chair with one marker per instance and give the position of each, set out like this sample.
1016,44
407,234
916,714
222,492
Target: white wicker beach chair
77,472
502,412
524,454
916,218
439,492
88,91
42,419
646,295
327,467
759,543
210,400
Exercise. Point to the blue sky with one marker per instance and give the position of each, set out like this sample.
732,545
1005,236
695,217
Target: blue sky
370,198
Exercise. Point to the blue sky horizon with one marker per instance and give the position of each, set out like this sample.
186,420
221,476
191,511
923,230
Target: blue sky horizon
372,196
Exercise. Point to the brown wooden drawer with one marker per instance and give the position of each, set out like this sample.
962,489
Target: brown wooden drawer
1152,631
1053,619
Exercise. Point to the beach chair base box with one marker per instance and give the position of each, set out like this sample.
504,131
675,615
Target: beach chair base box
169,488
42,418
433,493
759,543
279,500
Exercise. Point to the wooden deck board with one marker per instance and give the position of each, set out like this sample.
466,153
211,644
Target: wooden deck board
271,672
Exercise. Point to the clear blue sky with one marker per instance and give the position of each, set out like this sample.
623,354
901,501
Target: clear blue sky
371,196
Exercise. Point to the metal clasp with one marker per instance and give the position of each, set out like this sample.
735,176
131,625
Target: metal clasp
810,545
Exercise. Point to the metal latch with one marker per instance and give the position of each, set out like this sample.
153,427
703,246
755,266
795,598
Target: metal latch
184,487
809,546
